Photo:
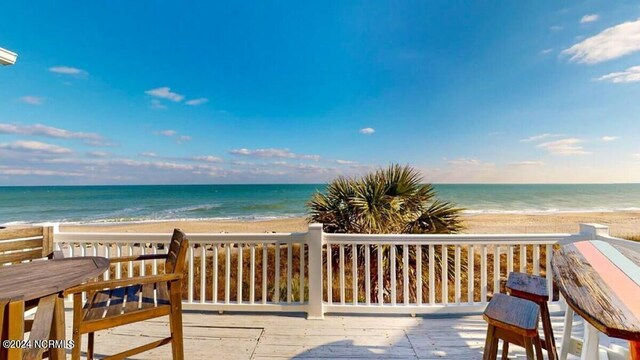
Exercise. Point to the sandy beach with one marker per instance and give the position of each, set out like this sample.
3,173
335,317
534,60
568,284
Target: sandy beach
620,223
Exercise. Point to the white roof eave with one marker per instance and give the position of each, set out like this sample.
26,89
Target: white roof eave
7,57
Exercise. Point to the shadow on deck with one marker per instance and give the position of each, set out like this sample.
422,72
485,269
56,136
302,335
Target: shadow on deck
262,336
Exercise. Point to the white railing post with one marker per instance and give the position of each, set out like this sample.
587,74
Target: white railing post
592,231
314,239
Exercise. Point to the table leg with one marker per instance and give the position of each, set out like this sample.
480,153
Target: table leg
41,329
591,343
57,329
634,350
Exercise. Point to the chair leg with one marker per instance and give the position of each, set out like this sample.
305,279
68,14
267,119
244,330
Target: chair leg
15,328
3,304
77,318
549,339
90,343
175,321
505,350
538,348
528,347
566,334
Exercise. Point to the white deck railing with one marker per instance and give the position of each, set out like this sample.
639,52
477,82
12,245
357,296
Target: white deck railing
238,272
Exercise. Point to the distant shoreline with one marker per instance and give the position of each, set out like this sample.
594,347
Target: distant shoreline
263,219
620,222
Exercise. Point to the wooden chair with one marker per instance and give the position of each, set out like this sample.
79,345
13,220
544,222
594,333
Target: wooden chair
534,288
26,244
515,321
118,302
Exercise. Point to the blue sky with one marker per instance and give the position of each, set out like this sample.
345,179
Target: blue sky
283,92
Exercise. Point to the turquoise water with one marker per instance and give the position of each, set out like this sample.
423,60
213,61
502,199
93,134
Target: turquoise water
255,202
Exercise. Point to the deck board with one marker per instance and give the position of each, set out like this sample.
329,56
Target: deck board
261,336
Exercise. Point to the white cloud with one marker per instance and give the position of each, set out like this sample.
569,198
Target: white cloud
165,93
546,51
67,70
564,147
367,131
167,133
98,154
632,74
589,18
198,101
183,139
208,158
636,156
52,132
173,133
611,43
609,138
36,172
345,162
526,163
32,100
148,154
272,153
539,137
556,28
35,146
157,104
471,163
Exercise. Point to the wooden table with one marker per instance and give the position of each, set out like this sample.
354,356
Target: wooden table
601,282
42,282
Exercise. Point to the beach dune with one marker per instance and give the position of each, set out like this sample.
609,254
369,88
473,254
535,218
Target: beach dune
622,223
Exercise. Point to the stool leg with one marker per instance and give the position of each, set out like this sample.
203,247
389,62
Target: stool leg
489,343
494,348
505,350
566,334
550,341
538,347
528,347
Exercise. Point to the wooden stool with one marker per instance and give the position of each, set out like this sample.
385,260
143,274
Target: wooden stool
534,288
514,321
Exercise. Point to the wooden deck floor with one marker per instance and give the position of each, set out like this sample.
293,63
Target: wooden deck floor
261,336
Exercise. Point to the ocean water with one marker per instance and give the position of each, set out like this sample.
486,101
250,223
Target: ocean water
100,204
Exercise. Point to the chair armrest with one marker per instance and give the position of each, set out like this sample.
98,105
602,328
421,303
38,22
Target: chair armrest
56,255
110,284
137,258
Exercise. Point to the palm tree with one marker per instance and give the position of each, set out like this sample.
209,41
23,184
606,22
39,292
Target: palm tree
387,201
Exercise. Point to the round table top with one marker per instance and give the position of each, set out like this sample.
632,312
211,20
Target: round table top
601,282
36,279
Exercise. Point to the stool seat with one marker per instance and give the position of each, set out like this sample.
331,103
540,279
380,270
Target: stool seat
516,315
513,320
530,287
534,288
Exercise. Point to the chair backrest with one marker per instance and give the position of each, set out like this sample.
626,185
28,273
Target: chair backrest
177,255
18,244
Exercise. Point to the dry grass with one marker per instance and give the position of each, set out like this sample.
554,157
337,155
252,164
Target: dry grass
632,237
277,291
